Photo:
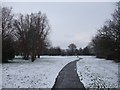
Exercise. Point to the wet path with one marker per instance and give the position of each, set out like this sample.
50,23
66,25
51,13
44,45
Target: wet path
68,78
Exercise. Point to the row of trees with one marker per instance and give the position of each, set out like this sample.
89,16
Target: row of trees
27,35
24,35
72,50
107,41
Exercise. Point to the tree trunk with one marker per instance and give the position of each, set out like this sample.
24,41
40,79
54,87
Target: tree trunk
38,55
26,57
33,57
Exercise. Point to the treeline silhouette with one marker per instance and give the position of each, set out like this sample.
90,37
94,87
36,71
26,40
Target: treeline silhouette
106,43
71,51
25,35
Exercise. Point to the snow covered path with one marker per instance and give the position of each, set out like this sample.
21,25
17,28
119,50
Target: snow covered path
97,73
39,74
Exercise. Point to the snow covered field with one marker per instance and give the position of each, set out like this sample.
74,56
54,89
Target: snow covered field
97,73
0,76
93,72
39,74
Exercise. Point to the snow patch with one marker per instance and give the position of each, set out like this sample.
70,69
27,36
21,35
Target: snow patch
97,73
38,74
0,76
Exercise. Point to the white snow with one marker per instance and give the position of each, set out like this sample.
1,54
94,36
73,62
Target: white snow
0,76
97,73
39,74
93,72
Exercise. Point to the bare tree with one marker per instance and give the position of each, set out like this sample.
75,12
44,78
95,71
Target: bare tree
72,49
7,19
32,33
107,42
7,34
22,29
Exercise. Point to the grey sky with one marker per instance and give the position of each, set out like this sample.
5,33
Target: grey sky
70,22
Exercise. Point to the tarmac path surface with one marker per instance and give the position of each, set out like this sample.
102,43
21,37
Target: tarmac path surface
68,78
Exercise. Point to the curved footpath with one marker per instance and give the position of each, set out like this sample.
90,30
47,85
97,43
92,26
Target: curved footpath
68,78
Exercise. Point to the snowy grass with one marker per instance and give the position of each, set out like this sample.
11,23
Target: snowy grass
0,76
97,73
93,72
39,74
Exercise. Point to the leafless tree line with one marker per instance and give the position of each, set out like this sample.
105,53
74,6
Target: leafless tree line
24,34
107,41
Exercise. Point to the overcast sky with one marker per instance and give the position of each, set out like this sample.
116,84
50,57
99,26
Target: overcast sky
70,22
